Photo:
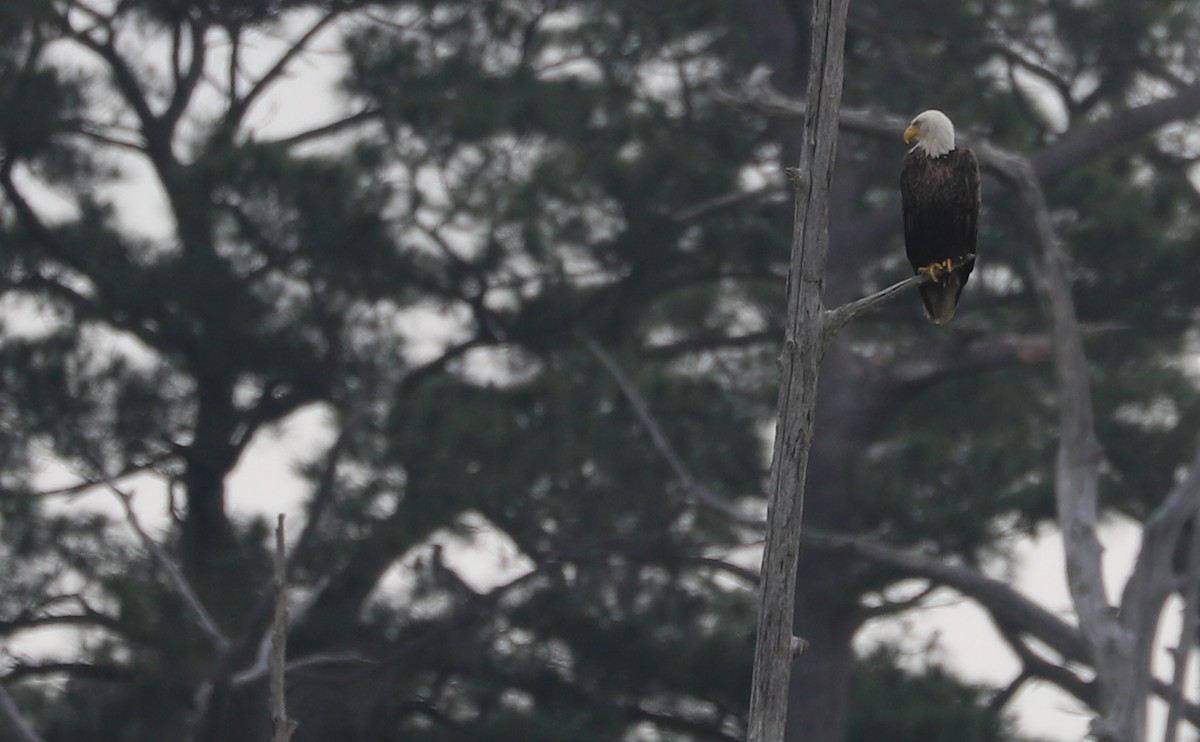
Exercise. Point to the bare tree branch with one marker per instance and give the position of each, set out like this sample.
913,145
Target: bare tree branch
171,569
695,490
969,352
1190,711
281,726
696,729
239,106
749,576
703,208
186,80
836,319
1161,531
333,127
1036,666
997,597
1072,149
1087,143
12,719
1187,638
1118,642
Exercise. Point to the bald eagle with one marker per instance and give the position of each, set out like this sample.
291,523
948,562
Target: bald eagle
939,189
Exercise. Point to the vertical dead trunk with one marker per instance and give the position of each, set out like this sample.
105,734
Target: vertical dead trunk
800,361
818,693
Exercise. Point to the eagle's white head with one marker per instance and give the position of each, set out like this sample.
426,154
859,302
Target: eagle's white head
933,132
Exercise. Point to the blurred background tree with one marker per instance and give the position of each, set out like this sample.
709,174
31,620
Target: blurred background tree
500,190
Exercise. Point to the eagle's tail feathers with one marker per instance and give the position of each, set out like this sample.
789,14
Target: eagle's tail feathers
941,297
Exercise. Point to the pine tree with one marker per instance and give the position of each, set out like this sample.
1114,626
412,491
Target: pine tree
522,170
569,186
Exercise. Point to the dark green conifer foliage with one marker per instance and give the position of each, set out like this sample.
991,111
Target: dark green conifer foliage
539,173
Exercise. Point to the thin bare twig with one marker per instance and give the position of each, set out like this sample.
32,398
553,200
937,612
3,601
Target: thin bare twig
171,569
256,672
697,491
11,717
281,726
707,206
239,106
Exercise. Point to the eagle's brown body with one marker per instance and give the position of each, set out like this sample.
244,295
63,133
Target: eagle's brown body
940,198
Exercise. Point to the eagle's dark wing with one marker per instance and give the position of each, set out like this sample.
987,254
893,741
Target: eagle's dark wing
940,200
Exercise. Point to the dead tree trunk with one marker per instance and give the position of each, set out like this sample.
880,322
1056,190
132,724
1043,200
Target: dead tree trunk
799,362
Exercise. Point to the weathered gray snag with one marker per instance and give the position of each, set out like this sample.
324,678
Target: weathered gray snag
1114,641
799,362
281,726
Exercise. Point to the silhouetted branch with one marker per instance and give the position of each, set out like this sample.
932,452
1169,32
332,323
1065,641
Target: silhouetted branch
745,574
1191,711
1035,666
281,726
836,319
703,208
329,129
1182,652
239,106
12,719
171,569
1068,151
697,491
695,729
997,597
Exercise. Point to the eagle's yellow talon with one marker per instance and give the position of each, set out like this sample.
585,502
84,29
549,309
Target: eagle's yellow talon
934,269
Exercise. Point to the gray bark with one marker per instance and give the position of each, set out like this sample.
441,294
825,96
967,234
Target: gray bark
1116,640
799,361
281,726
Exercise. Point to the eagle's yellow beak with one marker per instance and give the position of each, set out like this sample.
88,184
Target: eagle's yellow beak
911,133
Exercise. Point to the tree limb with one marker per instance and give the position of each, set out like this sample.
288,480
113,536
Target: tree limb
171,569
1090,142
328,129
968,352
707,206
239,106
1161,531
836,319
697,729
185,84
1182,651
1035,666
1118,642
695,490
281,726
997,597
1070,150
11,717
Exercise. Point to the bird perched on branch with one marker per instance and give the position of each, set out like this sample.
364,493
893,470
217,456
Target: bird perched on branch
939,189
